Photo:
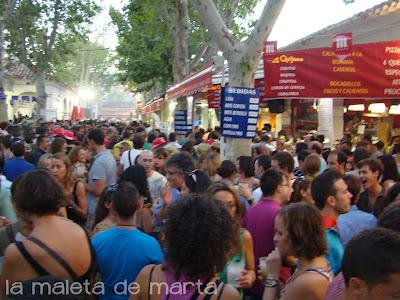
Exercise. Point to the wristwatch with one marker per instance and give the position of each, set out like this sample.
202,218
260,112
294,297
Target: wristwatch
271,283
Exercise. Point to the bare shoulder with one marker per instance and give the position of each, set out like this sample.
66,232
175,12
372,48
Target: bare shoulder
229,293
312,286
11,253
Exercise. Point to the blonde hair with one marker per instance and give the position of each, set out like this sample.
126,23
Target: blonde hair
69,177
43,161
209,163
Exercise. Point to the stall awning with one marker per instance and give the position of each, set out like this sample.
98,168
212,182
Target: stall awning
196,82
152,106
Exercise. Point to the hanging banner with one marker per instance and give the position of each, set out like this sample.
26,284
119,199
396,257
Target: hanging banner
367,71
181,123
239,113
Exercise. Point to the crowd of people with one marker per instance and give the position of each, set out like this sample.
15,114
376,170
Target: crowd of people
129,212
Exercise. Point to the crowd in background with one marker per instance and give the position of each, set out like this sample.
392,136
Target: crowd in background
124,202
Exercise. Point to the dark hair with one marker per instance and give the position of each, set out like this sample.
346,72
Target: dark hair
285,160
373,164
182,161
18,149
172,137
300,146
227,169
56,145
138,141
126,134
300,184
45,194
270,181
392,193
373,256
341,157
151,137
161,152
353,186
316,147
40,138
379,145
188,147
198,220
246,166
389,168
390,217
125,199
304,225
264,161
359,154
101,211
301,156
97,136
312,164
2,161
136,175
6,141
323,186
320,138
197,181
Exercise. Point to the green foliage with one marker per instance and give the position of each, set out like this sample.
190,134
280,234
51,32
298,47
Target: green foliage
146,43
40,28
87,64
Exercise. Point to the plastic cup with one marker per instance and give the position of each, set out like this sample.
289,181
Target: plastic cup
263,267
234,270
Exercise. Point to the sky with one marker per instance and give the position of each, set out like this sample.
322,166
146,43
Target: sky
298,19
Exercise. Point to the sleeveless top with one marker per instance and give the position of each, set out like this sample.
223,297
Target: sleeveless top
61,261
192,292
326,273
71,214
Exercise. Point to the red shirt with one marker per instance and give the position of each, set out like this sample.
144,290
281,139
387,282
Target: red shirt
328,222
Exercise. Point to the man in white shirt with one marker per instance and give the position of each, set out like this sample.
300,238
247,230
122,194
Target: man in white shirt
155,180
128,157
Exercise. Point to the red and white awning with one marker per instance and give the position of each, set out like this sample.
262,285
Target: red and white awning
196,82
153,106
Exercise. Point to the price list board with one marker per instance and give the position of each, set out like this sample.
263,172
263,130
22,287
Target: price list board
239,112
181,122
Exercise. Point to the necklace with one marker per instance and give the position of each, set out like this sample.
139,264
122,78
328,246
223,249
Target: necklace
124,225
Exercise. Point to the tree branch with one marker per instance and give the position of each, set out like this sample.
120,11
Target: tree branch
216,26
199,56
264,25
9,9
57,16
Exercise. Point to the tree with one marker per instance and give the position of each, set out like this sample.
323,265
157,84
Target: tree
39,28
6,8
243,56
162,41
88,64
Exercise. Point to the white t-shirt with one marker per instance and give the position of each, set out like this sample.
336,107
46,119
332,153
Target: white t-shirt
257,195
128,158
156,183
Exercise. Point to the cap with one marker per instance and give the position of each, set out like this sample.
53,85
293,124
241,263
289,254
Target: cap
158,142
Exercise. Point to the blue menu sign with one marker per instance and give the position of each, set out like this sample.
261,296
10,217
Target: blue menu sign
239,113
181,123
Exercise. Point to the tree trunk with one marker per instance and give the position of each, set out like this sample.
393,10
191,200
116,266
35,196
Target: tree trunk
41,94
180,33
4,106
243,56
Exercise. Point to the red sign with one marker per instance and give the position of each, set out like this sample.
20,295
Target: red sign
342,44
192,84
149,108
214,96
369,71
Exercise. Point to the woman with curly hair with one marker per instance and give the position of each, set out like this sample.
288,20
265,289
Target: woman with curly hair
299,233
199,236
209,164
61,169
244,255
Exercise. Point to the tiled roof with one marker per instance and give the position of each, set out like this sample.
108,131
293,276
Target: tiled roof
382,11
19,71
